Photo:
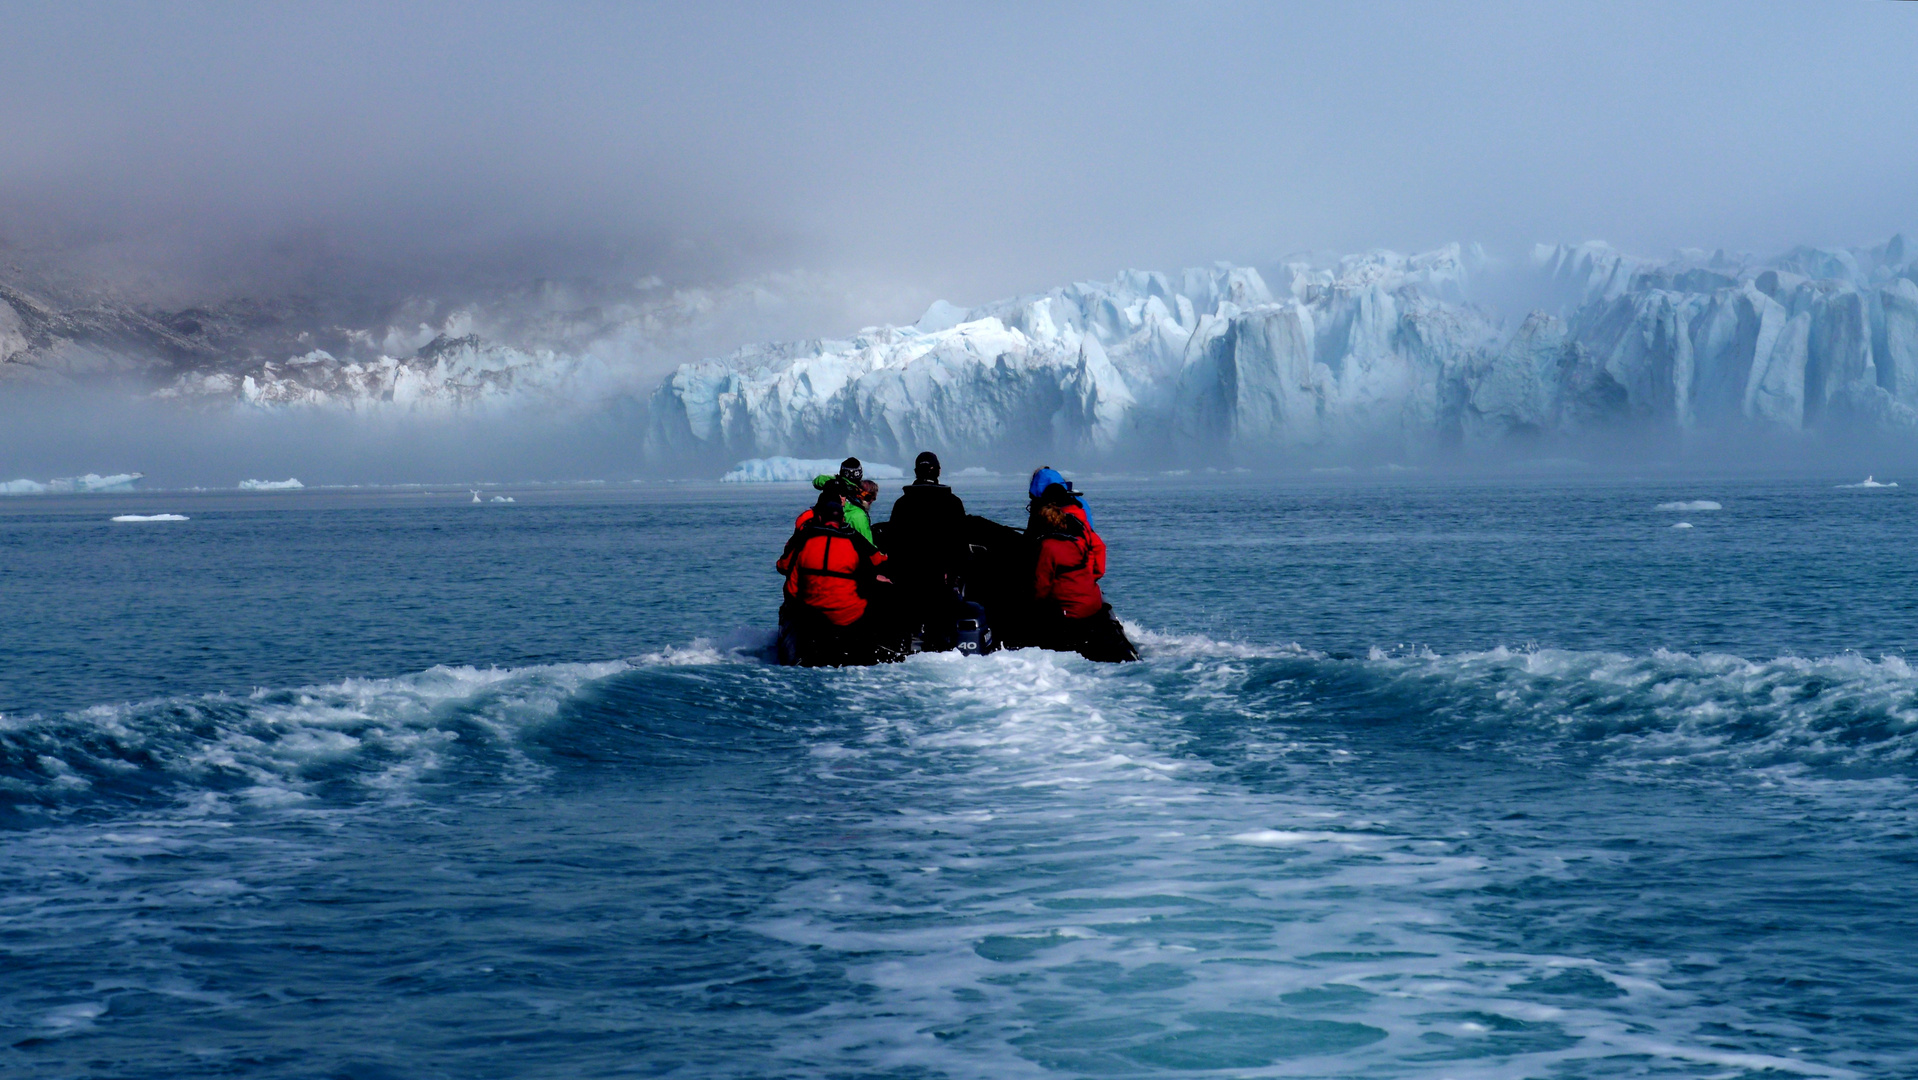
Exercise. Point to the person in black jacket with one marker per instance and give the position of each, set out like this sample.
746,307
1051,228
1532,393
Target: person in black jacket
926,542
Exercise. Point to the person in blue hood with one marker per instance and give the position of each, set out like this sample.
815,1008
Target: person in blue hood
1044,477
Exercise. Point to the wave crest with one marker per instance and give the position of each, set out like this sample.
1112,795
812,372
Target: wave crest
1841,715
282,747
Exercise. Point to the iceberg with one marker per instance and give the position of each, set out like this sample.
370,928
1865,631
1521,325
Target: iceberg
149,517
94,482
73,485
787,470
271,485
1695,504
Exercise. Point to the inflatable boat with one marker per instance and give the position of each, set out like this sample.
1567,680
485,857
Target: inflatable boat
991,608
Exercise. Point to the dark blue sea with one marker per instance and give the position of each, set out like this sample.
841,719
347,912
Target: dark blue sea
1418,778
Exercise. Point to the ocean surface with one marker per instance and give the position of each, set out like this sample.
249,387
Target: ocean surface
1418,778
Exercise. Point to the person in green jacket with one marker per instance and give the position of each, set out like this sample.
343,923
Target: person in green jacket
849,484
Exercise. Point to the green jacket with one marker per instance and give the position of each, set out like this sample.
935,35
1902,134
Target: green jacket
856,516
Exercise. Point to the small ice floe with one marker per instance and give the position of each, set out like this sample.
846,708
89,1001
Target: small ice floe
502,498
150,517
1869,482
289,484
1695,504
1681,524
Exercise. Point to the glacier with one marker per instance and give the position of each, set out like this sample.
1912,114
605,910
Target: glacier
1378,350
1400,356
90,484
786,470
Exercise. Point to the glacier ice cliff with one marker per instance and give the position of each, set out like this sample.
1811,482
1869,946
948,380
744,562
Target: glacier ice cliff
1382,350
785,470
1402,354
91,483
1376,350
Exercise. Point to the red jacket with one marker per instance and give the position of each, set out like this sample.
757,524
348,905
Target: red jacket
1093,543
1065,579
824,567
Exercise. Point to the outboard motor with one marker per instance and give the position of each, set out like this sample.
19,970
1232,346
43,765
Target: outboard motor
973,631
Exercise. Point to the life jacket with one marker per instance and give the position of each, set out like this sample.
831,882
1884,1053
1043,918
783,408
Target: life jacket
1064,579
824,565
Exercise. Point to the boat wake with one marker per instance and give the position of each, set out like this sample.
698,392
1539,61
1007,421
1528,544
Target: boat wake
1231,858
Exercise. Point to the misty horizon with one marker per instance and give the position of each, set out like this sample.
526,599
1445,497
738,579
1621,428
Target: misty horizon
573,204
977,157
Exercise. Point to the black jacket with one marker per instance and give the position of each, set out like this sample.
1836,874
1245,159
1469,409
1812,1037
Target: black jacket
927,532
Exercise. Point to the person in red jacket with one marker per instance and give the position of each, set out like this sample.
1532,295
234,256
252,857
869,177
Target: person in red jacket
1060,497
1065,581
832,588
828,566
1073,614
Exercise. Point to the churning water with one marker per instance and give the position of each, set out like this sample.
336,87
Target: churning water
1506,780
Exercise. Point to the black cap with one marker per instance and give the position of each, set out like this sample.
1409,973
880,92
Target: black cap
1056,495
828,507
926,466
851,471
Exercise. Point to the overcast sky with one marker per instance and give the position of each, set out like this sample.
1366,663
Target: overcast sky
975,150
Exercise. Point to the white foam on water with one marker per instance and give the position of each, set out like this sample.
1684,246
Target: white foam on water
1057,887
1293,838
1846,713
1695,504
1045,879
149,517
1160,646
72,1018
275,748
